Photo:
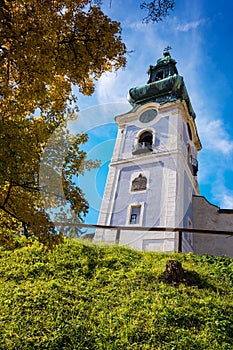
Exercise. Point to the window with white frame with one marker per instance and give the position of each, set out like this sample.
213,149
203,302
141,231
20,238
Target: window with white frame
135,213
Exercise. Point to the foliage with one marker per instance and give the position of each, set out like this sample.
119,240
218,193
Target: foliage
157,10
84,296
46,46
22,207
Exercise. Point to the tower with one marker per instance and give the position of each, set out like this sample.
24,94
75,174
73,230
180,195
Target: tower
153,172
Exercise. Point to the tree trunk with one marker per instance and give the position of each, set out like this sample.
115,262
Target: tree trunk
174,272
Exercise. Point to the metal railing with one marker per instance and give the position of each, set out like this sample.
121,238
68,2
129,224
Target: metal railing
142,147
180,230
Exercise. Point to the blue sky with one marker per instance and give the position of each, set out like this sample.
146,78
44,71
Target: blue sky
200,34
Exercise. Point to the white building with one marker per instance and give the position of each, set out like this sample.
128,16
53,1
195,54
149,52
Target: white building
152,180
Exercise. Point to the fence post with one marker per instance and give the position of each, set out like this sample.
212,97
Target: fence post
180,242
118,235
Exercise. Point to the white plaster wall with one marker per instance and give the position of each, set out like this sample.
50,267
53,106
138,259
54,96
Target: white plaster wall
149,241
168,179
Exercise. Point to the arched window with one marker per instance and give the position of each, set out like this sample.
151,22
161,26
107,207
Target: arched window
143,142
192,162
160,75
139,183
146,138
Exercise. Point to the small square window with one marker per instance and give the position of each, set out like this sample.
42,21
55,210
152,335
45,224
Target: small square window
133,219
135,215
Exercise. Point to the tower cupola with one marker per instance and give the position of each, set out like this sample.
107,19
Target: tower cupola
165,68
164,85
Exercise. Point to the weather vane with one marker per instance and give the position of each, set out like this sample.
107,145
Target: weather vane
167,49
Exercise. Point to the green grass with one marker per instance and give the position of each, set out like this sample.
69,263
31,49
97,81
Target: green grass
86,296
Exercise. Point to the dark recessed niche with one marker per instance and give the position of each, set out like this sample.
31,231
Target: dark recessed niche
189,132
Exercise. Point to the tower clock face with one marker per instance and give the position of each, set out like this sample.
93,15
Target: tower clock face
148,116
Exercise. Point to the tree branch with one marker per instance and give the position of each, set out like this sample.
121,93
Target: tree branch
8,194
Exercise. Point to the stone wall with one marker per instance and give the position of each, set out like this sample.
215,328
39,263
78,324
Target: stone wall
211,217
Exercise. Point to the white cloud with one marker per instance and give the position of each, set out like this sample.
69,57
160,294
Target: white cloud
104,86
224,197
137,25
186,27
111,88
214,136
146,45
226,201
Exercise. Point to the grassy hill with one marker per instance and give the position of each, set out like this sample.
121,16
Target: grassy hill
84,296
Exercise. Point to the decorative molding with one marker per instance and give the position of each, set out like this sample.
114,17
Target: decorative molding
139,183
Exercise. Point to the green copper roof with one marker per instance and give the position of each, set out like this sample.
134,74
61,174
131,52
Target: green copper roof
165,60
164,85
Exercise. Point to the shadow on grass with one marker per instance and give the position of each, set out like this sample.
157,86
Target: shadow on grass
190,278
194,279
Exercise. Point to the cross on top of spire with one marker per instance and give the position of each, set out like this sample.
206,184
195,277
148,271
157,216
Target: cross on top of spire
166,51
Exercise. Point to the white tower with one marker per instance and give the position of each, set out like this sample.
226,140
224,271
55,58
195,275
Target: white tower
153,172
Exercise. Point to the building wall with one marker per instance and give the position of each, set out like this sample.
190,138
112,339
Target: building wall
209,216
161,133
167,201
152,195
188,214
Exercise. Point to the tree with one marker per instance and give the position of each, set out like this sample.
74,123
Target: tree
21,205
46,47
157,10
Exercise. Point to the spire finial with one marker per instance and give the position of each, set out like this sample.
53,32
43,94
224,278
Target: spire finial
166,51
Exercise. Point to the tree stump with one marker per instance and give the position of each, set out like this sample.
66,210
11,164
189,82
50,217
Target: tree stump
174,273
